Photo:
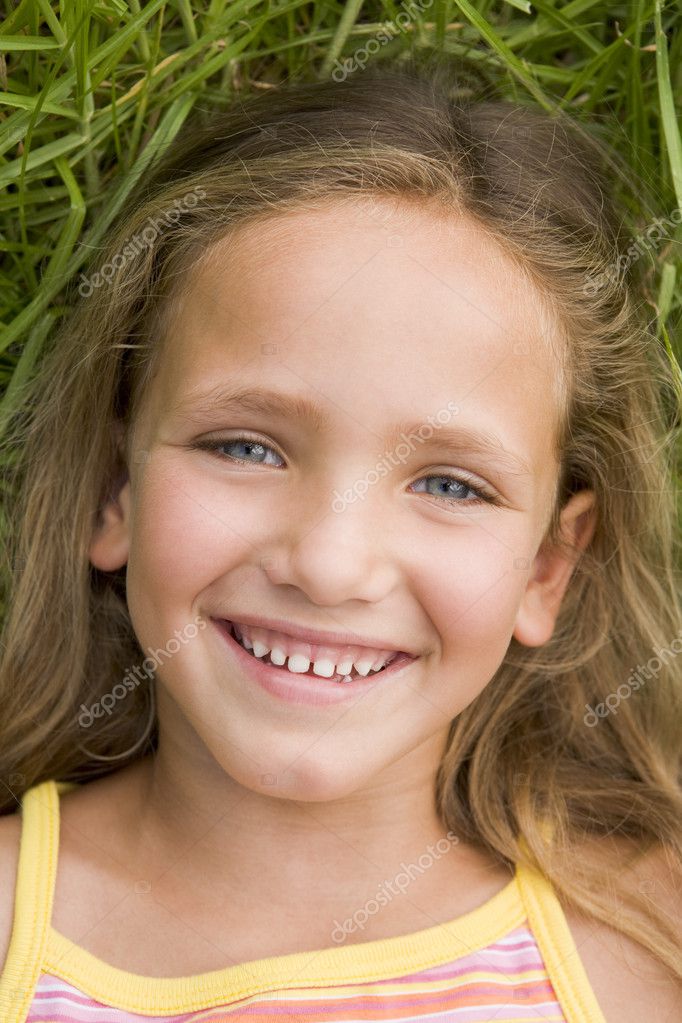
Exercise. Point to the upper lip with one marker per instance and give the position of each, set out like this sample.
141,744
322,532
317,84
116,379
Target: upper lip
317,637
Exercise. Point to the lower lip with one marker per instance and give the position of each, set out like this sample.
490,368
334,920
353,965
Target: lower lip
296,687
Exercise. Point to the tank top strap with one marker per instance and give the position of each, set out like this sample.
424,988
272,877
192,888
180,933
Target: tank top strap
33,898
557,947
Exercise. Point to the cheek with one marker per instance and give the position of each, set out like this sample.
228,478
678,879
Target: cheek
188,530
472,593
185,534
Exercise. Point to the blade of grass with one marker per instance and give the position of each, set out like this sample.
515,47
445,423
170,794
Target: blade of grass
187,16
171,123
671,131
349,15
44,154
13,99
12,398
18,129
518,67
72,227
28,43
576,31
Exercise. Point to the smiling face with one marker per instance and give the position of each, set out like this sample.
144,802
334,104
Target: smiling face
345,518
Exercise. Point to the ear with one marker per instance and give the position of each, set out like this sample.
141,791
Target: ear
552,570
109,545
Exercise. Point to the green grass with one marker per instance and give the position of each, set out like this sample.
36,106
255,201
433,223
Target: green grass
90,89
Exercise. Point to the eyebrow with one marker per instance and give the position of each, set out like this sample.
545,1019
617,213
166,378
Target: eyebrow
260,401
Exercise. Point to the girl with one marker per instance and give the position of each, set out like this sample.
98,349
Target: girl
339,667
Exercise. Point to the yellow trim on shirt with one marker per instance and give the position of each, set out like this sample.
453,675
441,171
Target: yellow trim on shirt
37,947
557,947
33,894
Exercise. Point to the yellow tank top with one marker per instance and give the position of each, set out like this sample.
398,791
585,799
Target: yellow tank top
510,960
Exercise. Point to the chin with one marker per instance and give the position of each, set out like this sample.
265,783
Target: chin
300,777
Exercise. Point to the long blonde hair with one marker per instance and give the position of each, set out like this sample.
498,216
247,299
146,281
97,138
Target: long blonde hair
526,749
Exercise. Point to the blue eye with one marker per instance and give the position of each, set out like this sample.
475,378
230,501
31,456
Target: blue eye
454,485
252,446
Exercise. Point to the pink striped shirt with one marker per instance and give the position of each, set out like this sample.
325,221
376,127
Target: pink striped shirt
510,960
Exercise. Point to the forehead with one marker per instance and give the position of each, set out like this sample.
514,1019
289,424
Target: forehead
412,300
378,241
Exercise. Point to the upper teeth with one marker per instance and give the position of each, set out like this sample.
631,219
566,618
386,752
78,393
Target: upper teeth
326,667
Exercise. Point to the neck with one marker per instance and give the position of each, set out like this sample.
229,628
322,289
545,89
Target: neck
316,864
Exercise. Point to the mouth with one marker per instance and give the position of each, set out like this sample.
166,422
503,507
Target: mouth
306,686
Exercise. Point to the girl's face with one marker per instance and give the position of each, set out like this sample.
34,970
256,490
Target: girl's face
408,341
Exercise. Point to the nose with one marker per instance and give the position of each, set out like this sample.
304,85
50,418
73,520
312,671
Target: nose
334,557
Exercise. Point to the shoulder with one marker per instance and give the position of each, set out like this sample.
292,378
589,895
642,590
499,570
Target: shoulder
630,983
85,814
10,835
